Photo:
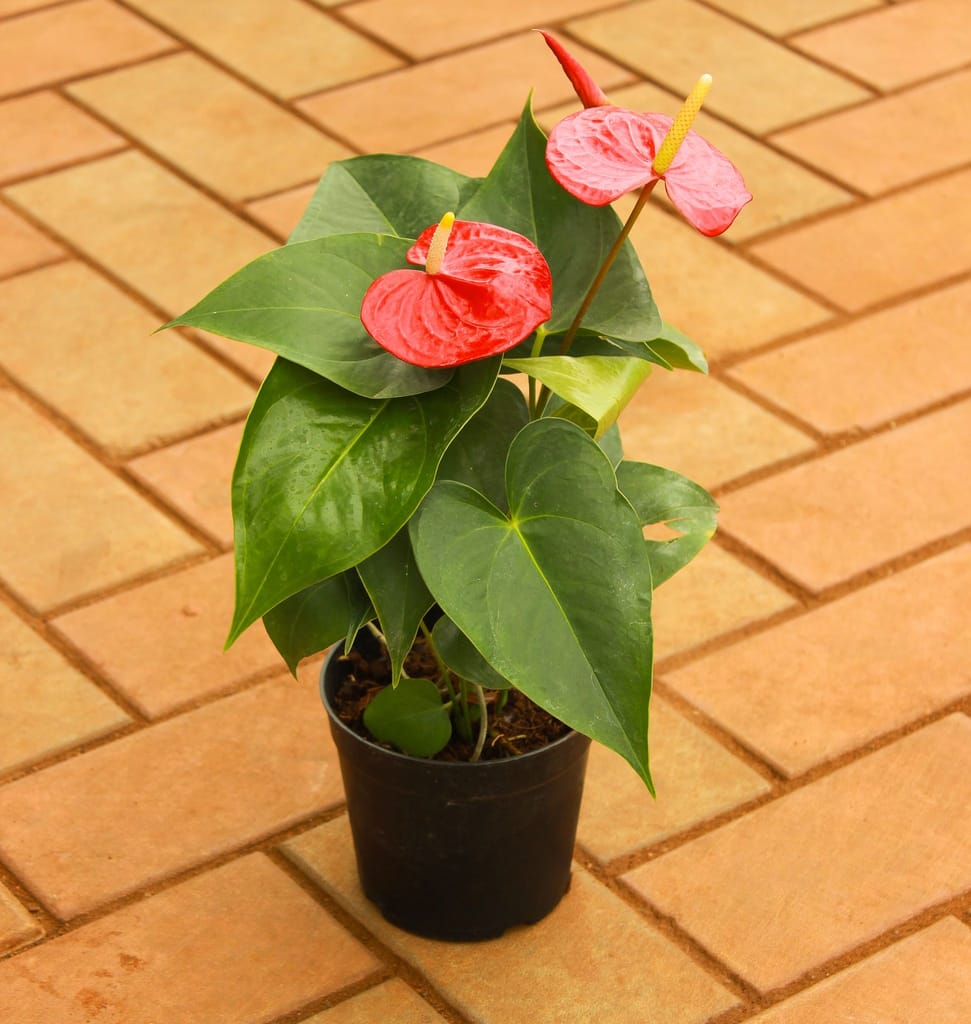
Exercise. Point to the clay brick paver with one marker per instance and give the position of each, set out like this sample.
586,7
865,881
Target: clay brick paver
909,355
162,800
93,357
172,652
805,861
47,705
43,130
828,867
926,976
758,83
241,944
626,971
261,147
827,537
844,674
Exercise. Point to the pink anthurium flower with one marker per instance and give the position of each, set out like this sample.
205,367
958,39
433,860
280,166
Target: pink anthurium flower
604,151
591,95
483,290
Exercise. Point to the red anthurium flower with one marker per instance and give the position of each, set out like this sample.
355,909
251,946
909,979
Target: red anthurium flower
482,291
591,95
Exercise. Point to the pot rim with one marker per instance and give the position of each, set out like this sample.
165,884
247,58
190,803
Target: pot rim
498,764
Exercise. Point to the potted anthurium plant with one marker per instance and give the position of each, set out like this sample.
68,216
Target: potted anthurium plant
432,475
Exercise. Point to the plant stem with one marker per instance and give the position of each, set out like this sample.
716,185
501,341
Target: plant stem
483,722
608,262
443,673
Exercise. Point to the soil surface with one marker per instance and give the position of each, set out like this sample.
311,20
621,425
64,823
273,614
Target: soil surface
518,728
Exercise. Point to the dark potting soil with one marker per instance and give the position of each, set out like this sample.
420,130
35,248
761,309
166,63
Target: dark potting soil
520,727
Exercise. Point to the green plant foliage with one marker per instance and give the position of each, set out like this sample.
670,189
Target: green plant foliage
540,592
411,716
459,653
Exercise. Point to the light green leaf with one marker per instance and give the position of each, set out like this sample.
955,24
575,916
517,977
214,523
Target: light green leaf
458,652
411,717
677,349
555,595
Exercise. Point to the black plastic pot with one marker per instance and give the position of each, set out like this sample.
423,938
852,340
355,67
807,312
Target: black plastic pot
459,851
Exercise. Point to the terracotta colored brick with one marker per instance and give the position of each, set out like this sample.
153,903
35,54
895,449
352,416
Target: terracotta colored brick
784,192
17,927
843,675
869,254
241,944
169,797
675,41
827,867
71,40
281,213
110,534
23,246
926,976
43,131
536,966
719,299
413,108
910,355
850,511
171,649
47,706
393,1001
284,45
254,360
92,356
179,104
780,17
697,426
862,146
19,6
423,30
716,593
110,209
696,778
473,154
194,476
893,46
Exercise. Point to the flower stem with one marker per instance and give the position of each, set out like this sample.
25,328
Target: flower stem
483,722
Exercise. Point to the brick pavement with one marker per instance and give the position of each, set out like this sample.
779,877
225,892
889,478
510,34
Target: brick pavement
173,847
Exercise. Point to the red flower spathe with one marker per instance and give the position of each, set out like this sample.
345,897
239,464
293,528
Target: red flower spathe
492,290
600,153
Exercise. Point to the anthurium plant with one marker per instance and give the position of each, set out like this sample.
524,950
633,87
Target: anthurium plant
439,428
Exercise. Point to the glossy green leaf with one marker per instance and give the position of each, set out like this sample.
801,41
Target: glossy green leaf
477,457
663,496
304,303
555,595
520,194
612,445
399,596
598,385
384,193
318,616
459,653
411,717
325,478
677,349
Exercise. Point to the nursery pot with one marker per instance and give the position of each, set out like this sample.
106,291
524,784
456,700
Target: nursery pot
456,850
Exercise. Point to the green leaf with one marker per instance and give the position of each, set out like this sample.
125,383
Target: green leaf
598,385
304,303
663,496
393,195
612,445
399,595
520,194
555,595
677,349
325,478
317,617
458,652
410,716
477,457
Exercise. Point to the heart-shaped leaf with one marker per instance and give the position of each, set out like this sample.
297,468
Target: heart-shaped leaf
573,633
341,474
399,595
383,193
320,615
663,496
411,717
458,652
678,350
304,303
